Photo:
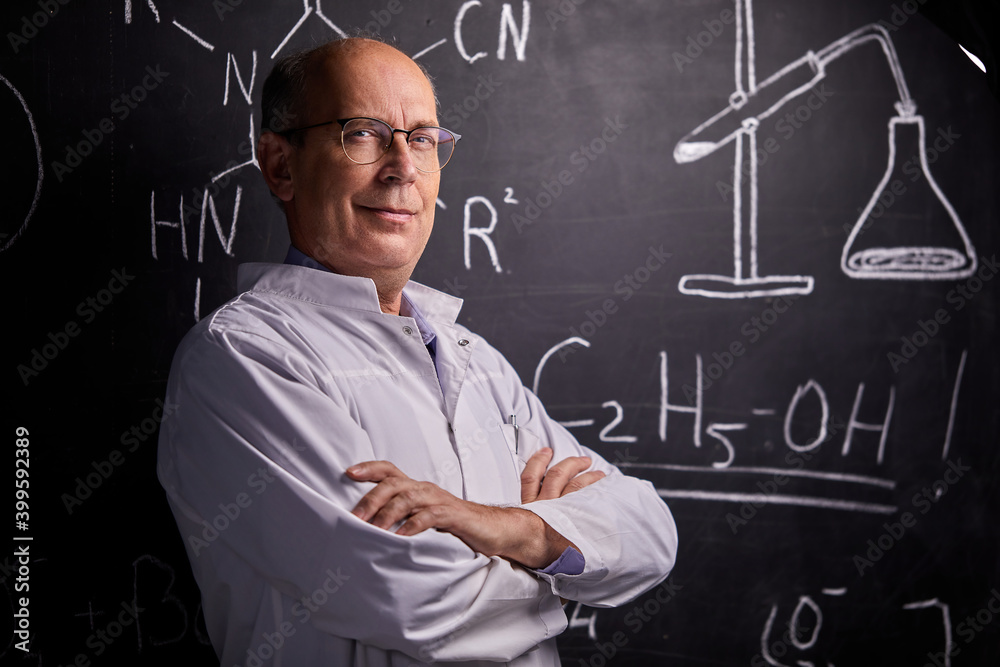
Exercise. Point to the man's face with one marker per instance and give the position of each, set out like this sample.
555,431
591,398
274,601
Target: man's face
373,219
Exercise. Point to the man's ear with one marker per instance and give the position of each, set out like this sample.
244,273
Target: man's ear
273,154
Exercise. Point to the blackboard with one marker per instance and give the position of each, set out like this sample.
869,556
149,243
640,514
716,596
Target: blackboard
667,215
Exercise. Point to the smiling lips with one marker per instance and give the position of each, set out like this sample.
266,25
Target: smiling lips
392,214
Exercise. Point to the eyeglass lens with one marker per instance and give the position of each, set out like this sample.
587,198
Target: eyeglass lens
366,140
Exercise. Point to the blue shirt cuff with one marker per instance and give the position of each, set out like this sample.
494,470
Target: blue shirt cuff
570,561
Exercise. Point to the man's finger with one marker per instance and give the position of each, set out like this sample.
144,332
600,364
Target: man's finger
405,499
560,475
534,473
433,516
389,482
582,480
373,471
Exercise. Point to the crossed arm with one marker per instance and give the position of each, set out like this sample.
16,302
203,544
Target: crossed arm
468,583
509,532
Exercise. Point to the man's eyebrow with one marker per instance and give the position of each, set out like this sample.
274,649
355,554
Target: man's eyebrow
420,123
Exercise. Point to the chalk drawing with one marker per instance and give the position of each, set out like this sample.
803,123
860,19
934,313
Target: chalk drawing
898,263
128,11
796,455
954,404
190,33
430,48
716,431
483,233
794,631
306,12
167,599
574,340
697,409
945,619
604,435
246,90
508,26
251,161
781,499
800,393
38,157
764,470
908,262
590,622
883,428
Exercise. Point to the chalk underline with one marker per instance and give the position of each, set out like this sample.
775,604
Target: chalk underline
830,476
779,499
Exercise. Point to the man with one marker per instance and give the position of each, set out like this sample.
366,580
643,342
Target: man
358,479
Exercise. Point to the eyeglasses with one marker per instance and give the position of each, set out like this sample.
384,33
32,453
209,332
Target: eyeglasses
366,140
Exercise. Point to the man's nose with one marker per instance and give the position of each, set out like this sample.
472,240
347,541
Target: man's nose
399,158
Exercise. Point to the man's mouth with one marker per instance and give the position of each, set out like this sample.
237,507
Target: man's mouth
392,214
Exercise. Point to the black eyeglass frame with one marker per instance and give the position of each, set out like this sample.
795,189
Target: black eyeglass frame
392,136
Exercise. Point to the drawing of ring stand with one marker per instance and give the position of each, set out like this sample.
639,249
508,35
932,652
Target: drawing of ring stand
869,253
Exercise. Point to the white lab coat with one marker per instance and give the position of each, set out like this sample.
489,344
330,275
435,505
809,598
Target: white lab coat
275,394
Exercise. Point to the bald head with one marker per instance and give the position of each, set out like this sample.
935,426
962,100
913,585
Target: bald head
286,98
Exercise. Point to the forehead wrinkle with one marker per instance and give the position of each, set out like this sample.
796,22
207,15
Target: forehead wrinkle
340,74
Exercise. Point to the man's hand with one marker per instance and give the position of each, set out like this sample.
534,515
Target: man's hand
508,532
564,477
491,531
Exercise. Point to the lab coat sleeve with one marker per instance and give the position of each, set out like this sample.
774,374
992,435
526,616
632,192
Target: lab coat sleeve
622,527
252,458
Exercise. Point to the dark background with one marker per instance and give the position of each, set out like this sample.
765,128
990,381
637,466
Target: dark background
99,545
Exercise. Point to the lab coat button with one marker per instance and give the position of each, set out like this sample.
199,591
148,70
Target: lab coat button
407,330
463,342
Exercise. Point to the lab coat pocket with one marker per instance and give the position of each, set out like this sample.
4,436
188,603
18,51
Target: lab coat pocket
521,443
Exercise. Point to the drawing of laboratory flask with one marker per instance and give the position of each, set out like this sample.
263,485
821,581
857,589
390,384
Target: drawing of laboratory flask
909,230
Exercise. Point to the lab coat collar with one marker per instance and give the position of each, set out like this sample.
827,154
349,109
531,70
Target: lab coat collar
333,289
